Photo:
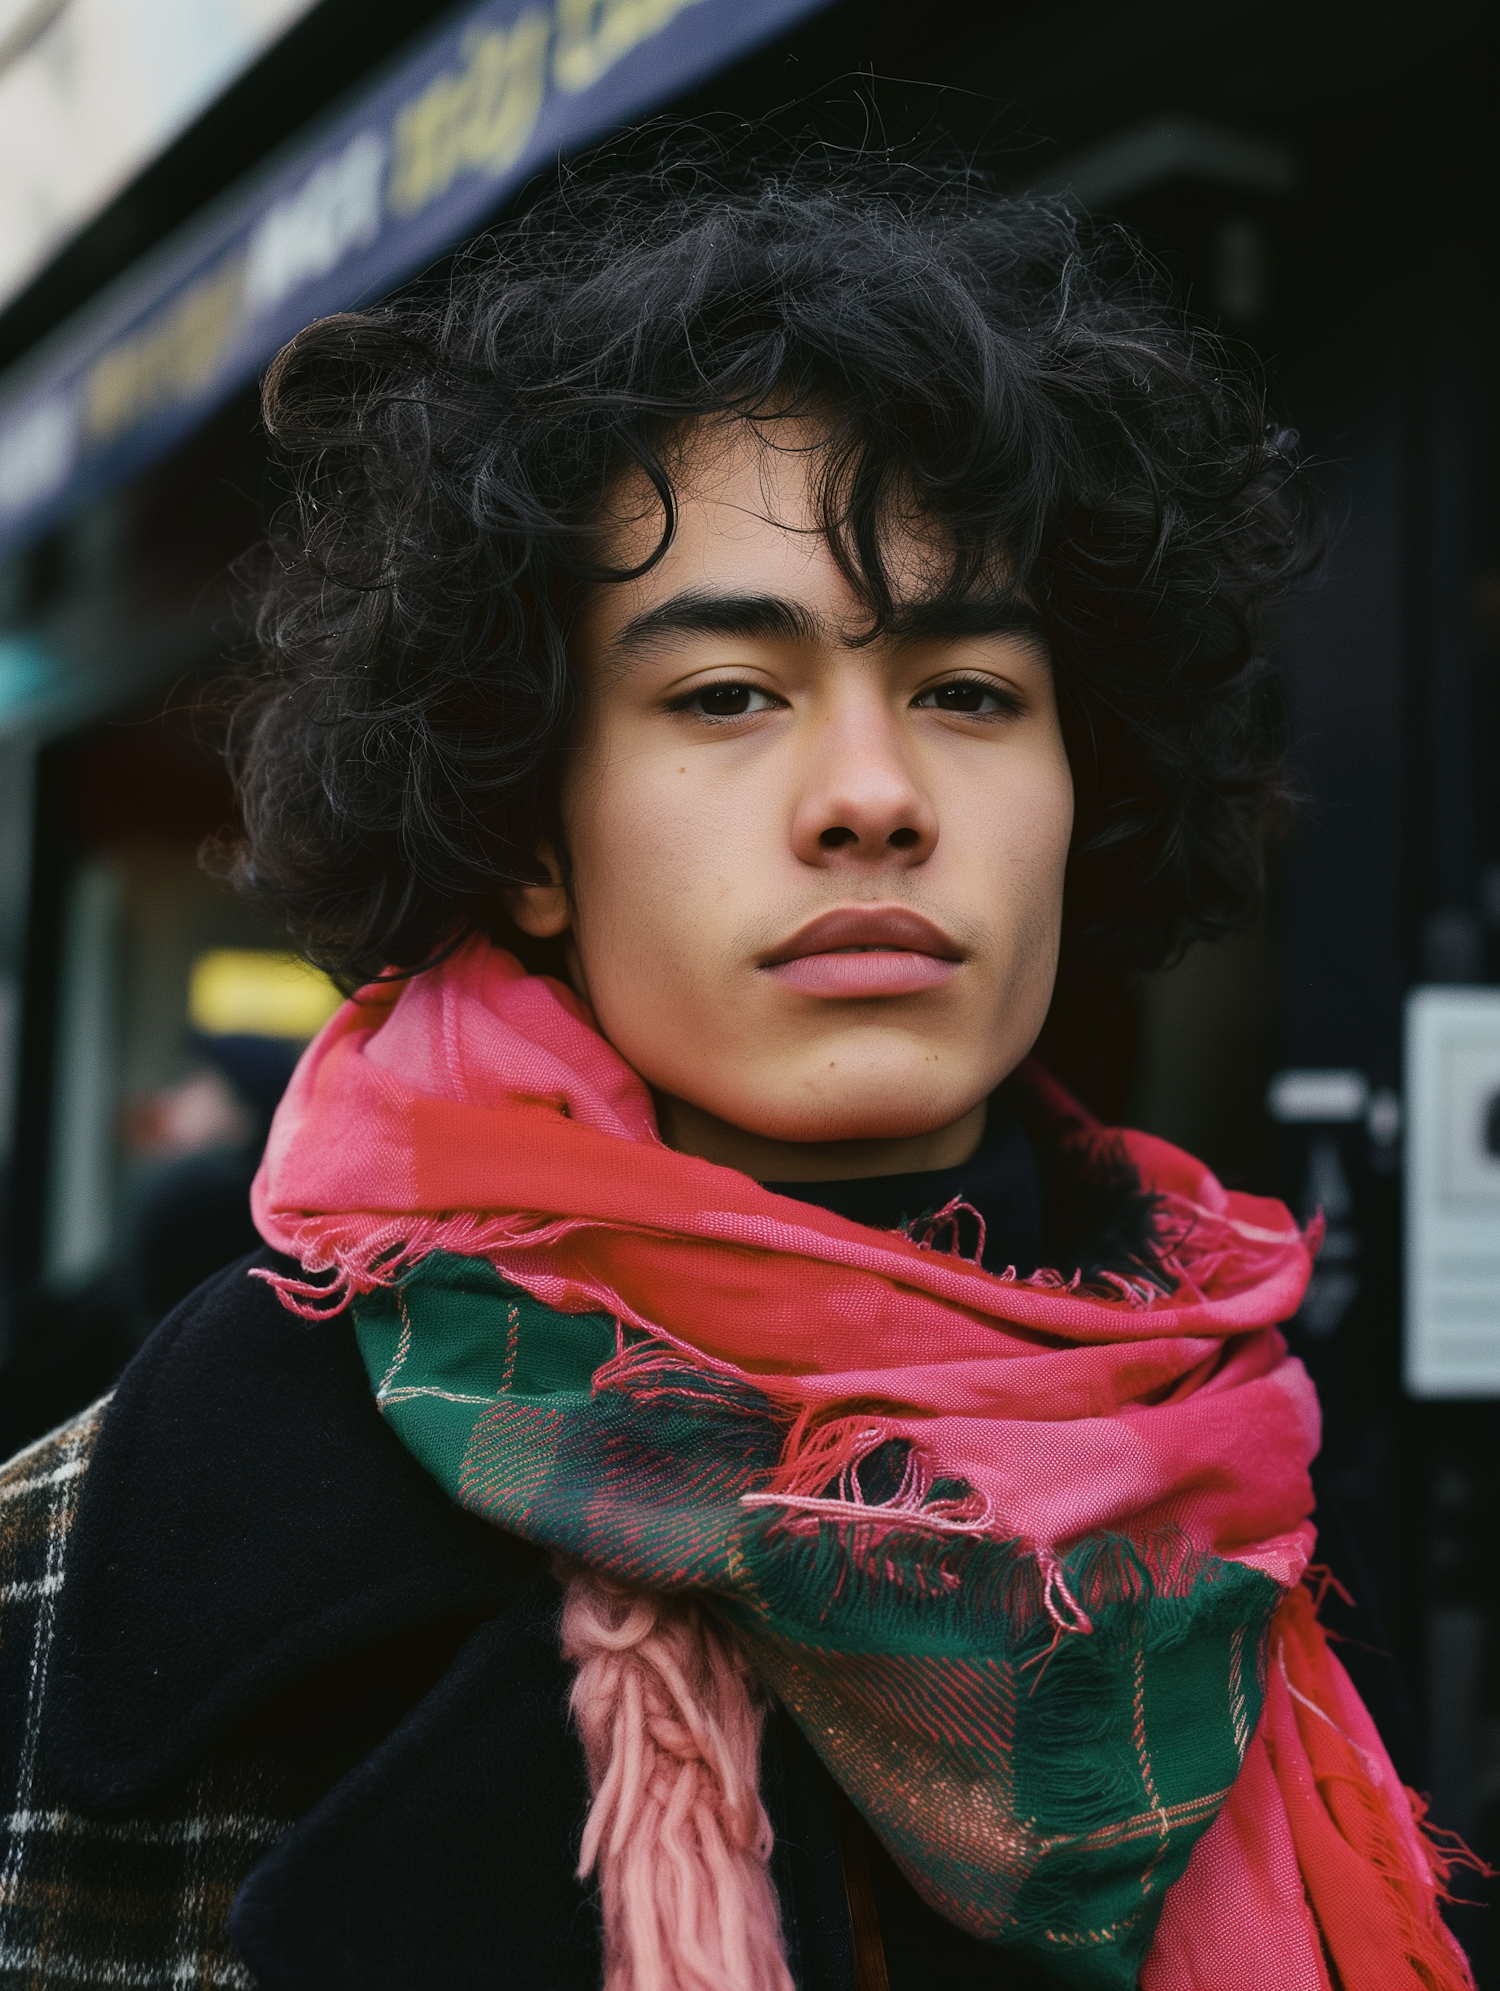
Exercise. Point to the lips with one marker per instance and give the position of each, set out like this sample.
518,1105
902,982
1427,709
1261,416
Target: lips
861,951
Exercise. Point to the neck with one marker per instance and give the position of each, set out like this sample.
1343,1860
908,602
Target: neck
692,1131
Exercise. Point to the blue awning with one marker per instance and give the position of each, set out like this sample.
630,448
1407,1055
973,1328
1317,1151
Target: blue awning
351,208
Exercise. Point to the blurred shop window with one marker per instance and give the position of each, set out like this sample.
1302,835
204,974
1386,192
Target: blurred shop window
235,992
197,1142
80,1199
160,1019
197,1116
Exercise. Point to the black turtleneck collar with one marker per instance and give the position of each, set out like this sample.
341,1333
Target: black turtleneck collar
999,1183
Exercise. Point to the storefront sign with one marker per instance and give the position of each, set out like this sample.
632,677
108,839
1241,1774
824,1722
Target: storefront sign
374,193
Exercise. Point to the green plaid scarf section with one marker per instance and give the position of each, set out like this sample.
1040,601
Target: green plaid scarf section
1041,1789
143,1902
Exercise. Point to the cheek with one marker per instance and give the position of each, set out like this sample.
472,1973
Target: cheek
1031,829
1058,808
641,861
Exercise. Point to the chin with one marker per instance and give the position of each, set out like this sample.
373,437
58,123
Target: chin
881,1115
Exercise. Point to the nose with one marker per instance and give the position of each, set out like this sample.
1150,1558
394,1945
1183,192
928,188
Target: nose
861,802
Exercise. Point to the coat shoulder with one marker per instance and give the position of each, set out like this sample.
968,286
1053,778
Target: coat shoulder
38,1499
87,1901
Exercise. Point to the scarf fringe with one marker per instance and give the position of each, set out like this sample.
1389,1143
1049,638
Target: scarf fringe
367,1253
1432,1955
364,1252
666,1708
816,1488
1339,1796
818,1477
1447,1853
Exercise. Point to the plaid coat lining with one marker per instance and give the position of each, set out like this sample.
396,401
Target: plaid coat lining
139,1903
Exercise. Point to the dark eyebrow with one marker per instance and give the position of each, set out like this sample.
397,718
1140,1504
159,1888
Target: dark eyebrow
978,615
774,618
753,617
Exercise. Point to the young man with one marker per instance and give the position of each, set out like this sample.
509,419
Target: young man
725,1478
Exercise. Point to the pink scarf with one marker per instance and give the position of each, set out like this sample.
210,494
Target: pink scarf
477,1110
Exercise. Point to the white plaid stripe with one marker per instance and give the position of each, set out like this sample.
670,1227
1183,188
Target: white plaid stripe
16,1486
145,1832
48,1965
74,1442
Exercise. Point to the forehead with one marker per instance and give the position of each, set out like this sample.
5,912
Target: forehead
750,519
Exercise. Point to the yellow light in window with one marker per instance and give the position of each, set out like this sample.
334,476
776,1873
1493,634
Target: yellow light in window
234,990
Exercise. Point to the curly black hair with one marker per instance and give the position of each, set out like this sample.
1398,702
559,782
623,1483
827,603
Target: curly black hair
1012,369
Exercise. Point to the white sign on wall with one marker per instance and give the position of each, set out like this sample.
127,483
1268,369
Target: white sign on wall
1453,1192
91,90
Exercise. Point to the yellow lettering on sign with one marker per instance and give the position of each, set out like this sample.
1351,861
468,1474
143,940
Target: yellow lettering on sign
473,120
592,35
177,352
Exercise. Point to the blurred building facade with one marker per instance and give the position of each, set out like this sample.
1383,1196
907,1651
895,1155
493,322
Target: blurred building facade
1323,183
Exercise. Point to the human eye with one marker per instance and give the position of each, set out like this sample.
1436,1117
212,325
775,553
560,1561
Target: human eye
969,697
728,700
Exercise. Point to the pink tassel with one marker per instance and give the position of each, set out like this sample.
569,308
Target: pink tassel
671,1732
